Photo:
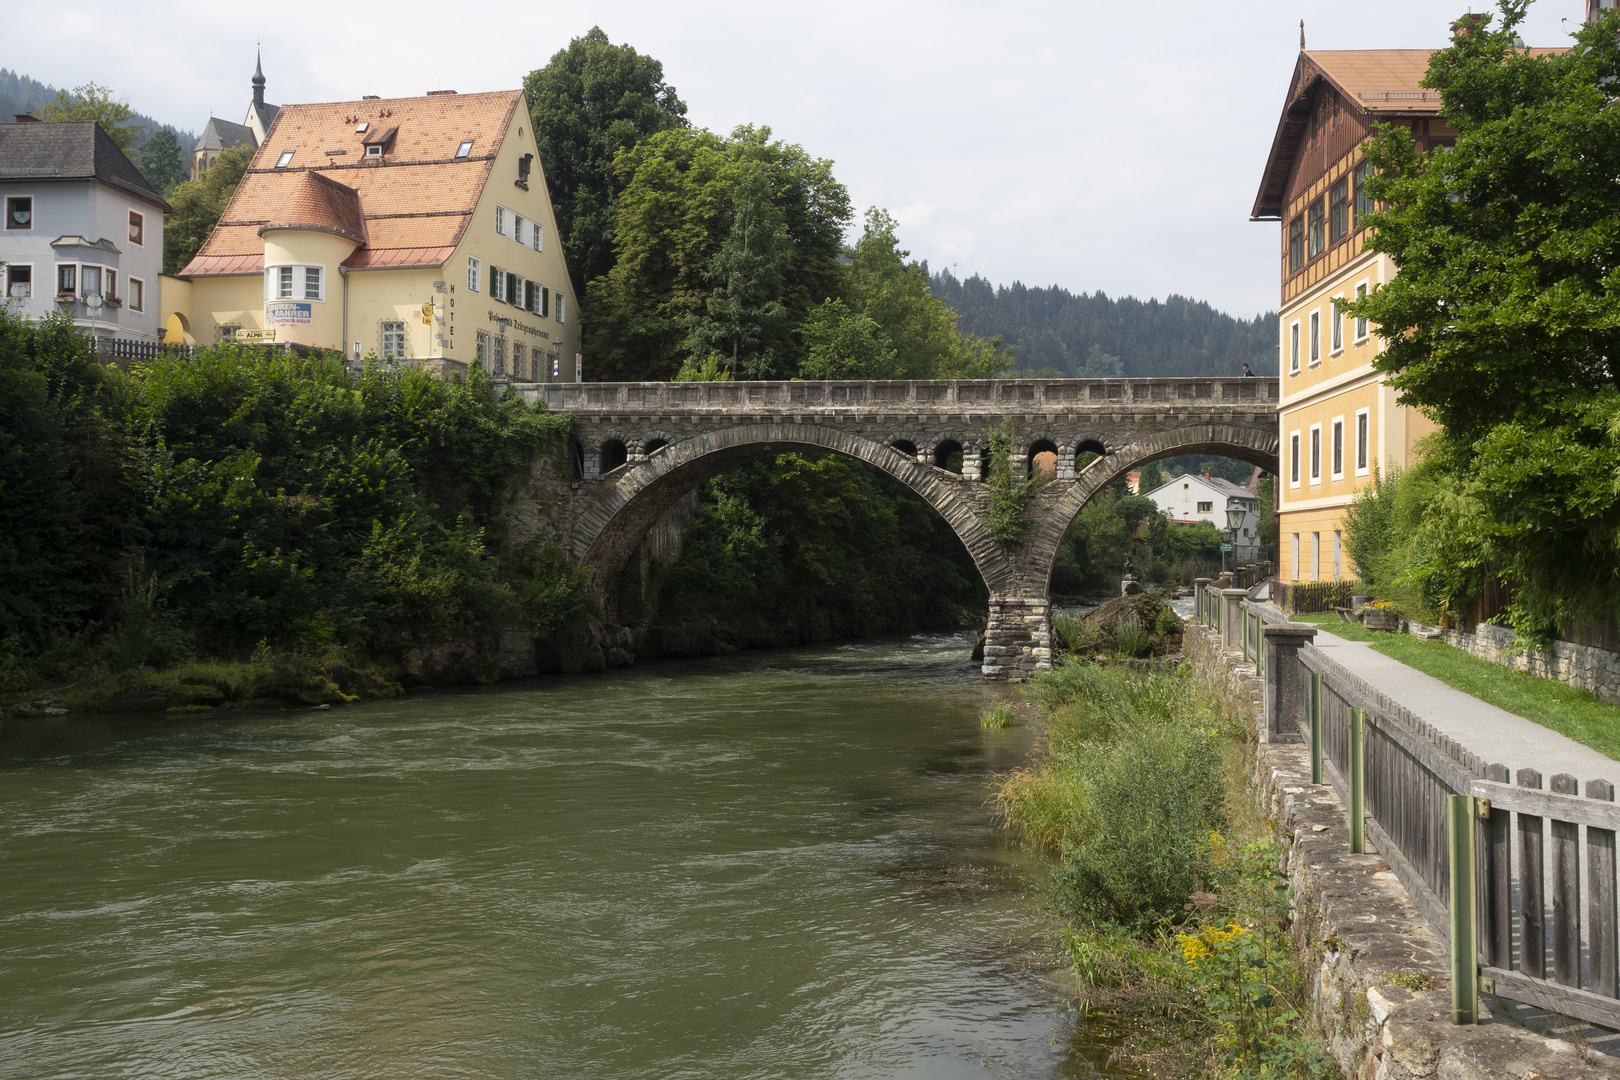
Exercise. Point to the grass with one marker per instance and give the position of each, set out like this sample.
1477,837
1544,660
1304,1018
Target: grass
1548,702
997,718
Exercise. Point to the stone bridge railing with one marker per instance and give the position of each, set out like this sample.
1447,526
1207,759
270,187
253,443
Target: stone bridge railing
941,395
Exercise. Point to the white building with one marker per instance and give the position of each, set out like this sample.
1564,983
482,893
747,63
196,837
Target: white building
82,231
1190,498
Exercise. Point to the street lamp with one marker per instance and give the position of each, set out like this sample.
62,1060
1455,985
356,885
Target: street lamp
1235,513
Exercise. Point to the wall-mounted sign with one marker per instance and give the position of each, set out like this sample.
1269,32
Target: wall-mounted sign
255,335
579,368
287,313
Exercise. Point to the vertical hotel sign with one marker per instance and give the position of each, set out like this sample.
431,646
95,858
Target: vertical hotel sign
287,313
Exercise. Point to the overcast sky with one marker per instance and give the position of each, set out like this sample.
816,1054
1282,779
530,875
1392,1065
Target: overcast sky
1090,145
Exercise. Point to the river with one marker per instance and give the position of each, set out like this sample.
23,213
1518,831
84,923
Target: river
772,864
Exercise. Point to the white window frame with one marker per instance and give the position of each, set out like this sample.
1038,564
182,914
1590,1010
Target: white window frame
517,227
557,306
1361,324
285,159
134,213
100,279
6,272
1316,337
33,212
1293,347
500,219
1336,337
474,265
109,284
56,280
298,287
539,241
137,294
374,149
1295,466
383,330
1316,557
1336,449
1296,557
1363,441
465,149
1316,454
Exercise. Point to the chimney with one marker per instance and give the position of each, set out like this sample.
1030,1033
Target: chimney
1206,474
24,118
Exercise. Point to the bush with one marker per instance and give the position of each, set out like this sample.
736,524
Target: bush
1130,637
997,718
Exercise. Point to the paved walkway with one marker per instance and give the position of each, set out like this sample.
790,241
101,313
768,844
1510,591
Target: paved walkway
1497,736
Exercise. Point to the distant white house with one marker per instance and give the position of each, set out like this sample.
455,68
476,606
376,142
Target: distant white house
1190,498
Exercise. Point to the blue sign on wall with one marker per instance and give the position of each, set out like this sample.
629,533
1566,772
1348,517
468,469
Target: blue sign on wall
286,313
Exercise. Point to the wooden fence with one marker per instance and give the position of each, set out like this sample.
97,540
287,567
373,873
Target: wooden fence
1311,597
1532,916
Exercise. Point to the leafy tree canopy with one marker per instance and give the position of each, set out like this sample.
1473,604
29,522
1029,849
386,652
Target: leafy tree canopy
162,161
593,101
198,205
1508,244
94,102
677,210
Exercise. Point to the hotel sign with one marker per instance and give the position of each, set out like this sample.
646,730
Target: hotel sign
255,335
285,313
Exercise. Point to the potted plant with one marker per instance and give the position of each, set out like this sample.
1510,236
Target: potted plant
1380,615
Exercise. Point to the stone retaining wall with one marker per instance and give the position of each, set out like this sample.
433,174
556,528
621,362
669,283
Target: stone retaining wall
1583,666
1381,995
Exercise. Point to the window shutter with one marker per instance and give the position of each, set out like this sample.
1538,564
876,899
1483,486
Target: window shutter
545,301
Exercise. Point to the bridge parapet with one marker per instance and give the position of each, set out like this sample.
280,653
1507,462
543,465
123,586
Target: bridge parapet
899,395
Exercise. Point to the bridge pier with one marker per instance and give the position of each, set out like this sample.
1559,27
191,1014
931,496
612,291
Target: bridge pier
1018,637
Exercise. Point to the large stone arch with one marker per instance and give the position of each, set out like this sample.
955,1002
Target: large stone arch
607,535
1257,446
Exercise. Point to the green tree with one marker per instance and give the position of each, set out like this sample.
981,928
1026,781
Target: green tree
744,322
920,328
1507,302
198,205
676,211
162,161
1503,323
844,344
93,102
591,102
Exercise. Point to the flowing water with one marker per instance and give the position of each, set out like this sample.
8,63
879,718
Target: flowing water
771,865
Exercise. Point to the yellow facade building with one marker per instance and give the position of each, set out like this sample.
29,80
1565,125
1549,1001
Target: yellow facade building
409,229
1339,422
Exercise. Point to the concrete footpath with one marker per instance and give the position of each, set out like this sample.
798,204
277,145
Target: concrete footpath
1497,736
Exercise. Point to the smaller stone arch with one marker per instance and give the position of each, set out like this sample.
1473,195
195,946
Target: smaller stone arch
904,446
651,446
946,451
1041,454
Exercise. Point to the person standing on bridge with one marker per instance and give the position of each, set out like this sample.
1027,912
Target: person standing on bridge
1247,374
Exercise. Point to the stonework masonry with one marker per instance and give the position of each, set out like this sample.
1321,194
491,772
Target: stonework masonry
1584,666
1380,993
643,447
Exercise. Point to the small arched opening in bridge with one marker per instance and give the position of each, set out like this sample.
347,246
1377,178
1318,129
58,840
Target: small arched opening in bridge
906,447
613,455
1087,451
948,455
655,445
1042,459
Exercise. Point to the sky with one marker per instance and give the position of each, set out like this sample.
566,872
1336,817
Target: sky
1090,145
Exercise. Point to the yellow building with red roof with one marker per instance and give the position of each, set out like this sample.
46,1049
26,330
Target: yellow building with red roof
1339,421
412,229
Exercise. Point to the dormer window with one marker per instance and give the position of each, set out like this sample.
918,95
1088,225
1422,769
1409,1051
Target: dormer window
374,150
285,159
464,149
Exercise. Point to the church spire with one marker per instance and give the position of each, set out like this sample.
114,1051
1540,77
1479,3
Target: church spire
258,78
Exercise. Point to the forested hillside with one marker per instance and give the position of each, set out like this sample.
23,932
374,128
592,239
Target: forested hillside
20,94
1058,332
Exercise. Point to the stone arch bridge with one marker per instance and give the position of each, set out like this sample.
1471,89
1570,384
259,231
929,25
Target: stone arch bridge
642,447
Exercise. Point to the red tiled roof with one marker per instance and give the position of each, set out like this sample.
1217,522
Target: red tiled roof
224,264
320,205
414,203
